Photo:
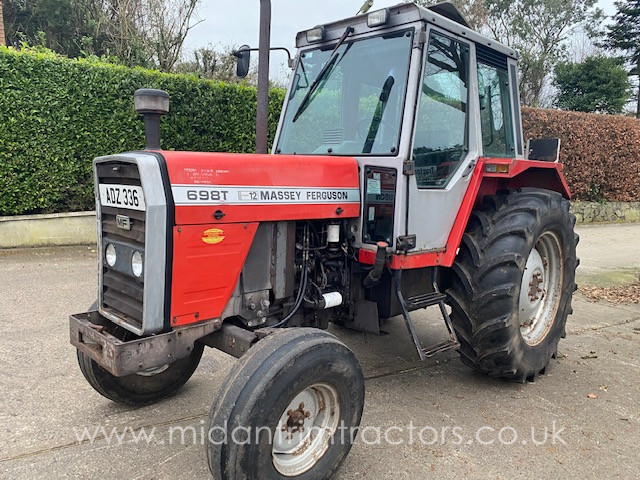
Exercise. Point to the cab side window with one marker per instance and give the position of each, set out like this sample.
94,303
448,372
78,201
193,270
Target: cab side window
495,104
441,130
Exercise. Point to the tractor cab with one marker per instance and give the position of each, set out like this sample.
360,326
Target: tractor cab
417,98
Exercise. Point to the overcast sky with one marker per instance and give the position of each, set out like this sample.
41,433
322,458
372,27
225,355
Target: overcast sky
235,22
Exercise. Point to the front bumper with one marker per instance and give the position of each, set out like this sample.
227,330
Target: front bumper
90,334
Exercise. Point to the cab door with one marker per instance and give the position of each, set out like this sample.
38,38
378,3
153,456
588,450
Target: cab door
447,140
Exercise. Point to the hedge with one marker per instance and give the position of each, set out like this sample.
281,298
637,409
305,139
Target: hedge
601,153
57,114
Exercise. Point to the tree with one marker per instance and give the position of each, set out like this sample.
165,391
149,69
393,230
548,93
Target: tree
31,21
138,32
148,33
474,11
165,25
2,37
113,28
216,64
624,35
538,30
598,84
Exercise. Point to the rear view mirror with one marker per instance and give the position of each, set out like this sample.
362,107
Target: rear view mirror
544,149
243,57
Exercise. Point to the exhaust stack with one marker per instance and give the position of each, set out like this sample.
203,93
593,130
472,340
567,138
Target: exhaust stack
152,105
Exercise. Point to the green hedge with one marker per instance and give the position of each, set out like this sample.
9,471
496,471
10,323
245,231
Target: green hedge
600,153
57,114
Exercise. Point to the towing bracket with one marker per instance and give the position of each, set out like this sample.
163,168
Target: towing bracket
89,333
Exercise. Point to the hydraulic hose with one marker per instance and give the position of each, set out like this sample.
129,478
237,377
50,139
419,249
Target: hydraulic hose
376,272
299,299
304,275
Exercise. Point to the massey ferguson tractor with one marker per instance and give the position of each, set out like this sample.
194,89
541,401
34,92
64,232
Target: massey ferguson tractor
398,181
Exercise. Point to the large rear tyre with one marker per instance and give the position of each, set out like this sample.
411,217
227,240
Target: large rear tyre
514,278
290,409
142,388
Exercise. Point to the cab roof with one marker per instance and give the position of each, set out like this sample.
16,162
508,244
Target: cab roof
444,15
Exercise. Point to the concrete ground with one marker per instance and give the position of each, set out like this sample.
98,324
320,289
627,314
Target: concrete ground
590,394
609,254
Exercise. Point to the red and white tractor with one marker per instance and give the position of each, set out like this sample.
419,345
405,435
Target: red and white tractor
398,181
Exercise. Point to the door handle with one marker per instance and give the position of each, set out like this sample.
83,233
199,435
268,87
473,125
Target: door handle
470,168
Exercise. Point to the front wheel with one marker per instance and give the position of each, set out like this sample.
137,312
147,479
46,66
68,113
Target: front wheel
141,388
290,409
514,278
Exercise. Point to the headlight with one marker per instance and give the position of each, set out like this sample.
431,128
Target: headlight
377,18
136,264
315,34
110,255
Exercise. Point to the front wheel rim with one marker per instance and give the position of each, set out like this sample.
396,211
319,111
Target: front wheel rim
541,289
150,372
305,429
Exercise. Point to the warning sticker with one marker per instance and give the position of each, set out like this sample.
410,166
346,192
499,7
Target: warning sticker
373,186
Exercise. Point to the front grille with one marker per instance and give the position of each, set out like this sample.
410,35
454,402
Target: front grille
122,292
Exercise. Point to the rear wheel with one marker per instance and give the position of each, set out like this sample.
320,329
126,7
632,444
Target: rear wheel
290,409
513,283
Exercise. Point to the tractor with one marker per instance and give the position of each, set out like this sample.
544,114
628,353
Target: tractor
398,180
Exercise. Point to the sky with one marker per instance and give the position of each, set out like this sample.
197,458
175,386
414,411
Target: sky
235,22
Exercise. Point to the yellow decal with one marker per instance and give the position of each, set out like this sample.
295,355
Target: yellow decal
213,236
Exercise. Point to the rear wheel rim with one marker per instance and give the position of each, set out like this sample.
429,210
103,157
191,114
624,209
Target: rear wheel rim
541,289
305,429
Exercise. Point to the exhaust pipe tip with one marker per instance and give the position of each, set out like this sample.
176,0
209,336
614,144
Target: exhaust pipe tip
152,104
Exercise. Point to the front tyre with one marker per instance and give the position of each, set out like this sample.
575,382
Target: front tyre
290,409
141,388
514,278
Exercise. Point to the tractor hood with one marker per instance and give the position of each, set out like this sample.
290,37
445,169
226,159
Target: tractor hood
231,188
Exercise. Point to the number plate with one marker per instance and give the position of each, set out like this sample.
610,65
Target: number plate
122,196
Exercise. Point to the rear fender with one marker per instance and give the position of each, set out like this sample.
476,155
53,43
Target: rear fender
514,173
522,173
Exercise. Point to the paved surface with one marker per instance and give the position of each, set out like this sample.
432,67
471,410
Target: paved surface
609,253
43,396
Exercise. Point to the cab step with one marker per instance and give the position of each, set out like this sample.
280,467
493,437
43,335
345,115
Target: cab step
425,300
440,347
422,301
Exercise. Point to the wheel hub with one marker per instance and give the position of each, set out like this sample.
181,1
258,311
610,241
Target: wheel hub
295,422
540,289
535,292
305,429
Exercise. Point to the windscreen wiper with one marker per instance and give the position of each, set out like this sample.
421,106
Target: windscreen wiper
332,59
379,113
